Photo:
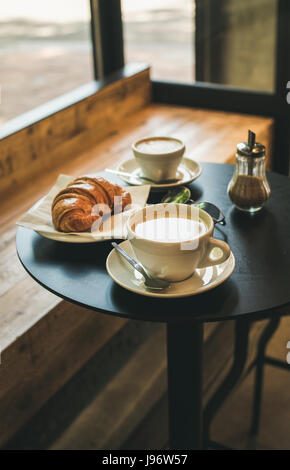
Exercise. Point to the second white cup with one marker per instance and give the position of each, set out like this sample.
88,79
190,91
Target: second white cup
159,157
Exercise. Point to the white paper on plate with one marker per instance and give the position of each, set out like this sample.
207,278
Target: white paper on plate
38,218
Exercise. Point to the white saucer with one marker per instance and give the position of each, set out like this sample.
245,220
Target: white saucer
188,170
201,281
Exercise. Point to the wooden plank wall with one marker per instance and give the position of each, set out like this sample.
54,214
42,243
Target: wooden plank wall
60,137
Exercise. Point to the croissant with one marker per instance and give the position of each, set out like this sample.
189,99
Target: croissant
72,208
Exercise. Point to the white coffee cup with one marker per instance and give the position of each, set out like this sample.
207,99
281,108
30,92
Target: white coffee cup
176,259
158,157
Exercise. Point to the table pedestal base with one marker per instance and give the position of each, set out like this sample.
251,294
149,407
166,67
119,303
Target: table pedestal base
184,357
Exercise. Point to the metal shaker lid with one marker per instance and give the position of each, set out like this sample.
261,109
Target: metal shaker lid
251,148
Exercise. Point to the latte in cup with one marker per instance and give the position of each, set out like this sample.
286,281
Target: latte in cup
159,157
170,229
171,241
158,145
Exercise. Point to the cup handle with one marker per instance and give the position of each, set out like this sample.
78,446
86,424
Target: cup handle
206,261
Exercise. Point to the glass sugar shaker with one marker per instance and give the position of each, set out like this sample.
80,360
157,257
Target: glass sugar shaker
249,188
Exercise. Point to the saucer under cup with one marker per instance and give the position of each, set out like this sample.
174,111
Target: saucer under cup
188,171
202,280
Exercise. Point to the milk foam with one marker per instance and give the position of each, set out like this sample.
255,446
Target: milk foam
158,146
170,229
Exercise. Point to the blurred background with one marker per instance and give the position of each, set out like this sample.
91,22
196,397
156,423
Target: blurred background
46,51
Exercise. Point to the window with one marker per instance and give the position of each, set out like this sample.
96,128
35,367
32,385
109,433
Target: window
160,33
231,42
45,51
236,42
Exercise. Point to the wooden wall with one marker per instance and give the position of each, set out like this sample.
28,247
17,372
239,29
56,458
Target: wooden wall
60,137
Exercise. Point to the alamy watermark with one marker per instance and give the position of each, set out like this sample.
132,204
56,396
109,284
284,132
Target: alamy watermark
116,226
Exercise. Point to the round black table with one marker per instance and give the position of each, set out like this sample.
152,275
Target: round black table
258,286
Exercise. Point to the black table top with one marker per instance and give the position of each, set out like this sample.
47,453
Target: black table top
258,285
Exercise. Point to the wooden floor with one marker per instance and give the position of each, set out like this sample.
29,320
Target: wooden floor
82,416
231,425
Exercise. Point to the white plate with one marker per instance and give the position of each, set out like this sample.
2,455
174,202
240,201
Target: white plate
188,170
201,281
38,218
68,238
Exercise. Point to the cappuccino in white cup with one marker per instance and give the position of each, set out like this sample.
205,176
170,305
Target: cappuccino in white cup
159,157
